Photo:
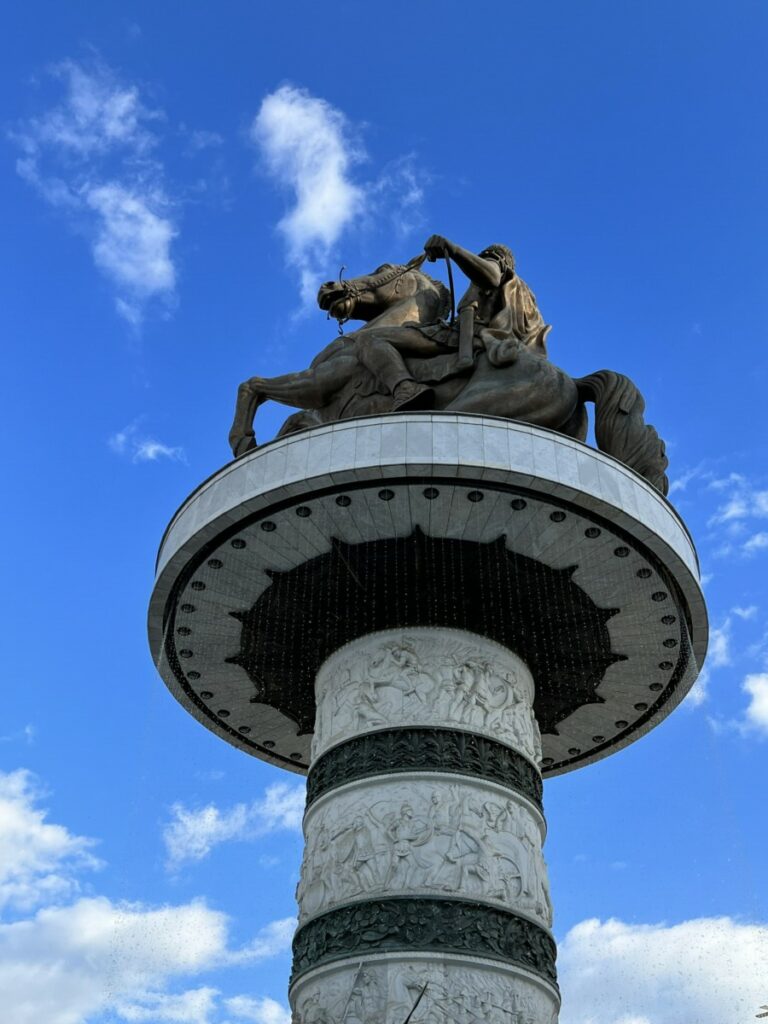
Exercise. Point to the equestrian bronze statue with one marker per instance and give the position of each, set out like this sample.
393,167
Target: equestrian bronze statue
413,353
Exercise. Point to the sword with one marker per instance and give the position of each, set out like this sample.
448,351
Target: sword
466,336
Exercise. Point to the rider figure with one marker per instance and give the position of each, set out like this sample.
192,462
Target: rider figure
498,304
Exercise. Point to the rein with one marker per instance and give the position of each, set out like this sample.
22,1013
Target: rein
351,291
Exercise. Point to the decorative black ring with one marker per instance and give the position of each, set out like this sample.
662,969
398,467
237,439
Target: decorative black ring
453,751
405,924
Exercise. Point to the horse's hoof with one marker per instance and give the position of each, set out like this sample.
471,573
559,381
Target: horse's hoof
243,445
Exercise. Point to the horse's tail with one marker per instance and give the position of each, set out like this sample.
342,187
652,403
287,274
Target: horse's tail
620,429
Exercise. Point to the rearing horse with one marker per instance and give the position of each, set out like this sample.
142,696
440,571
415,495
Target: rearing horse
520,383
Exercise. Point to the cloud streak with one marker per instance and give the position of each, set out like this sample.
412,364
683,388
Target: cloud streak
132,444
191,834
92,156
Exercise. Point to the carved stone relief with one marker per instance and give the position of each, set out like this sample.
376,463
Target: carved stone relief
437,677
386,991
436,837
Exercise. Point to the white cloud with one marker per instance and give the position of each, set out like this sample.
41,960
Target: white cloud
756,715
745,613
191,834
37,859
757,542
744,500
309,148
92,156
28,734
707,971
132,444
132,244
192,1007
69,963
258,1011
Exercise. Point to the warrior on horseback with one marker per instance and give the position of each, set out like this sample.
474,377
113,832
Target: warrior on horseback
493,360
497,300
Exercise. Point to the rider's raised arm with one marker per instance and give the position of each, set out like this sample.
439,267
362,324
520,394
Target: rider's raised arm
485,273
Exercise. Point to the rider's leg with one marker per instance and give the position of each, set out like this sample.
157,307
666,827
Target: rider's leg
378,354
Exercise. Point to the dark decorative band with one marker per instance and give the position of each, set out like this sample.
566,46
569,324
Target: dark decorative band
424,750
428,925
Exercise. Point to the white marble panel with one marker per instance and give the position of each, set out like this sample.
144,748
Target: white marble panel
424,835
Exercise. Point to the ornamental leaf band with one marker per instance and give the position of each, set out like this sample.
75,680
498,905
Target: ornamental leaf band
406,924
411,749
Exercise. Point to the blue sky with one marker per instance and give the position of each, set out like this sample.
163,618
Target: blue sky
162,228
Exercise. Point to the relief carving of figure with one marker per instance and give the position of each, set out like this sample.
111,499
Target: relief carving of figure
356,860
408,832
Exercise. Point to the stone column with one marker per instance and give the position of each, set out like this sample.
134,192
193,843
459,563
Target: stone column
423,876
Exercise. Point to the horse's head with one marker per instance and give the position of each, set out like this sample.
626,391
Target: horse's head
367,296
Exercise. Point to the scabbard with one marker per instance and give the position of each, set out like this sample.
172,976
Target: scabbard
466,336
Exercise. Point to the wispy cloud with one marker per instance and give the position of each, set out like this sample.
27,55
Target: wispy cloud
311,150
131,443
757,542
27,735
93,156
191,834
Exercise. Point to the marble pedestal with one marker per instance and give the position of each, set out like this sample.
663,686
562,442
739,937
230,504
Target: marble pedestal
379,603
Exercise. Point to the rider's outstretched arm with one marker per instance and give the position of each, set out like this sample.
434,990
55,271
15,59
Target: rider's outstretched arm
482,272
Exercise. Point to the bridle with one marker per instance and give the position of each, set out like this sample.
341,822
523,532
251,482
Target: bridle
352,291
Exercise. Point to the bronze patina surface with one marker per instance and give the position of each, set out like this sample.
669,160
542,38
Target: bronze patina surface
412,353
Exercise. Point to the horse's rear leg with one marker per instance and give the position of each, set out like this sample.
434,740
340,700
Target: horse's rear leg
242,438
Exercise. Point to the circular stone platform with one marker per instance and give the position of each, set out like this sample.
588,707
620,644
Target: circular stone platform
517,533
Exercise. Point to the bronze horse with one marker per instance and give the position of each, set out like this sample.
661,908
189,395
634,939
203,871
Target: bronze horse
517,383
